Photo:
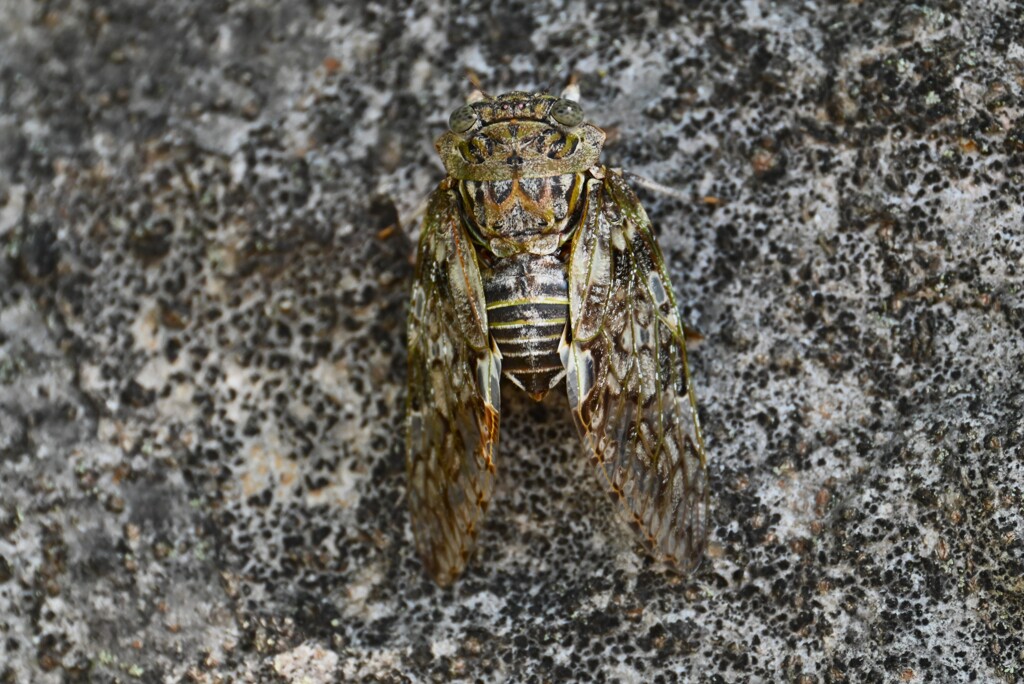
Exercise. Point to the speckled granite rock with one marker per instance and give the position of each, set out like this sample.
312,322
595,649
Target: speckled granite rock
202,344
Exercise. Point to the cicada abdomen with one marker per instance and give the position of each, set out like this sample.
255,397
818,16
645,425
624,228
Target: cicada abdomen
527,310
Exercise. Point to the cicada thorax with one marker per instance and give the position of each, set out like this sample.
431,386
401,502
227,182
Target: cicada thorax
522,227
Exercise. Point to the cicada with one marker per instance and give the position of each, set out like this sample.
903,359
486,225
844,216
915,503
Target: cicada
538,264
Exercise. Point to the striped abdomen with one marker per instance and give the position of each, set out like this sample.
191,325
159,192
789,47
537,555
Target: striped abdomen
527,307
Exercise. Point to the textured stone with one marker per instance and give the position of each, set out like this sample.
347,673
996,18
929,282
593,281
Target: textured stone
202,356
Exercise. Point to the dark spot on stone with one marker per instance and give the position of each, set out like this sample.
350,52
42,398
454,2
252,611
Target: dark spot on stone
151,241
137,396
38,253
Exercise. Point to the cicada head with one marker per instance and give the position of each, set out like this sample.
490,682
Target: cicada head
519,135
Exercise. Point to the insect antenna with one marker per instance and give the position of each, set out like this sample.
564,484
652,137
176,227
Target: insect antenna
571,91
474,79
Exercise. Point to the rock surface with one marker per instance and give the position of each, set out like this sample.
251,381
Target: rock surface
202,301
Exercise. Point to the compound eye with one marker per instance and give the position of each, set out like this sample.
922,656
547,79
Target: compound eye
462,119
567,113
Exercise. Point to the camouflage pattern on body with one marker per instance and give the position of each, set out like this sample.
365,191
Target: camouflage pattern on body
539,264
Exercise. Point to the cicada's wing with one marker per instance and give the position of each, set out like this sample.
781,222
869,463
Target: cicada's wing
628,382
453,406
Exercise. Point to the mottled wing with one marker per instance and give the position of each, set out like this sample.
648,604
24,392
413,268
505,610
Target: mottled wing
453,404
628,382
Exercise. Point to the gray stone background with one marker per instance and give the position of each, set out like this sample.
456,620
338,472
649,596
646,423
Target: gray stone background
202,355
